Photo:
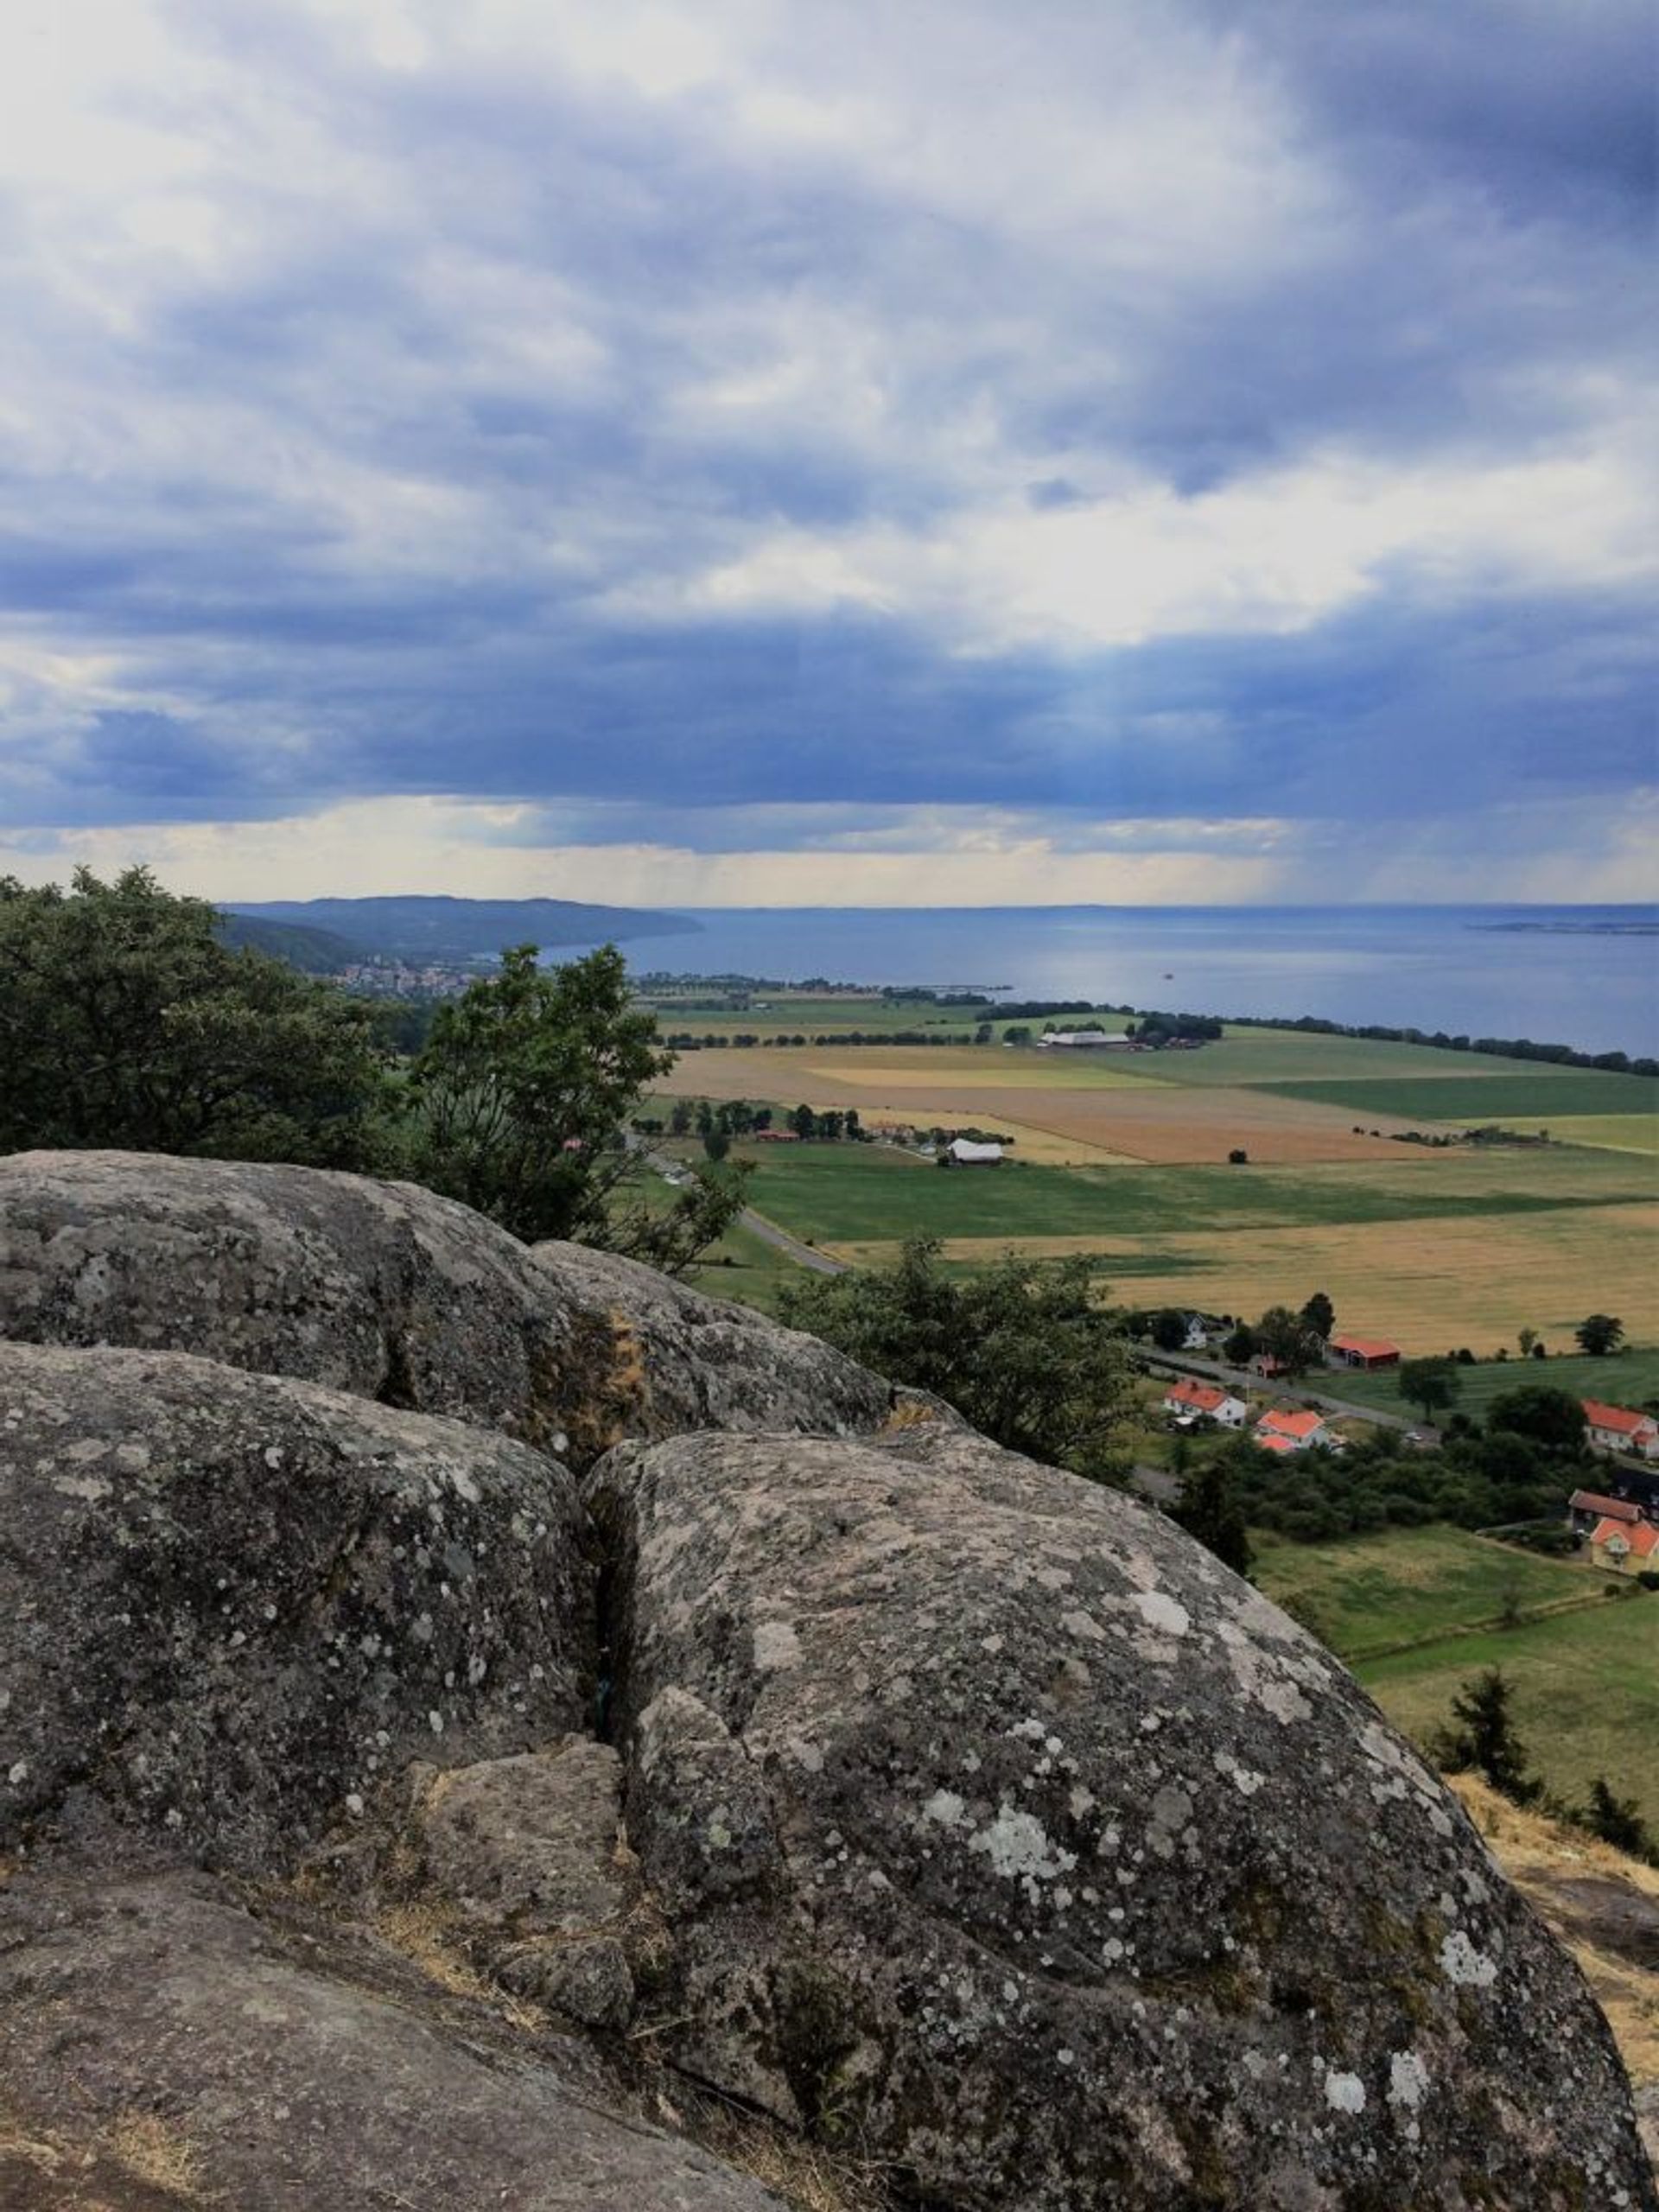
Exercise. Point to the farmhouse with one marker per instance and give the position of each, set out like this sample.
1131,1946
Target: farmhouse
1188,1399
1367,1352
1286,1431
1616,1428
961,1153
1588,1506
1083,1040
1625,1548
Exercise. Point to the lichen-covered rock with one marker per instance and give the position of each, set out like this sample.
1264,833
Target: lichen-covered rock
161,2050
230,1605
1001,1829
674,1360
527,1856
391,1292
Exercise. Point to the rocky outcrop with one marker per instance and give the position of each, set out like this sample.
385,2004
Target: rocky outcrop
998,1826
164,2047
381,1812
231,1606
385,1290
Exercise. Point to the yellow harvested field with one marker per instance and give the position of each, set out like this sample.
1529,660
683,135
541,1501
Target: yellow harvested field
1428,1284
1106,1110
1606,1132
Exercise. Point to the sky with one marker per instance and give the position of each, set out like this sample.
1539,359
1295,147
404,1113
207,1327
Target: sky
799,452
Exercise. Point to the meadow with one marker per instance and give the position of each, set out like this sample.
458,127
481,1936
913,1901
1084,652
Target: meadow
1586,1674
1125,1157
1626,1378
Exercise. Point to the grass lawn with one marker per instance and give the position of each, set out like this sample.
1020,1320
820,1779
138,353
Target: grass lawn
1248,1055
1365,1594
1586,1679
1626,1378
1472,1097
862,1193
1586,1693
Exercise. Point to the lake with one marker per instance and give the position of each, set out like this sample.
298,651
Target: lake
1586,976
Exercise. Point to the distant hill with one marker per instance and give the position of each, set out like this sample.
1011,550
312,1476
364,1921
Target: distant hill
318,952
422,929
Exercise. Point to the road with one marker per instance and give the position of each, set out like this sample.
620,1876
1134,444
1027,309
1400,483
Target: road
804,1255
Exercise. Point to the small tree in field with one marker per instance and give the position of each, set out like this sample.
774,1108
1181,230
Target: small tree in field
1600,1333
1320,1314
1431,1385
1169,1328
1616,1820
1483,1740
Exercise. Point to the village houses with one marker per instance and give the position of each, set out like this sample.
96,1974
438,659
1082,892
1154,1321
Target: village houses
1616,1428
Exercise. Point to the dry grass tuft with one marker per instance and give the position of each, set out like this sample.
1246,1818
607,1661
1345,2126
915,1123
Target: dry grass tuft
806,2176
153,2150
424,1933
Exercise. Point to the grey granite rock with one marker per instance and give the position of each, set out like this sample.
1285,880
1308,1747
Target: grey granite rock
1001,1829
393,1293
231,1604
163,2048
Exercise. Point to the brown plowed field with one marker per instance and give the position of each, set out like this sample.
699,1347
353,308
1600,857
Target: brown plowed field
1099,1109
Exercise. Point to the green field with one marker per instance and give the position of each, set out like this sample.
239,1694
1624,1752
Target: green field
1472,1098
1585,1679
1627,1378
859,1193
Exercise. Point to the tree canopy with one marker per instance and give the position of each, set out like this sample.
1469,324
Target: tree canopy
1021,1348
125,1023
1600,1333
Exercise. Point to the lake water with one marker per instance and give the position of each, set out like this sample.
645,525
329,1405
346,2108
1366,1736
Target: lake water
1586,976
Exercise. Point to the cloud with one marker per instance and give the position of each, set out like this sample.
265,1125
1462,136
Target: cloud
785,430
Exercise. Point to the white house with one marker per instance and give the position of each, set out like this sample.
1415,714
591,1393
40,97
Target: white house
961,1153
1616,1428
1188,1398
1291,1432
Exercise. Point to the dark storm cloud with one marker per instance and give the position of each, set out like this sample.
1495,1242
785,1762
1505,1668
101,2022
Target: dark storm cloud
460,459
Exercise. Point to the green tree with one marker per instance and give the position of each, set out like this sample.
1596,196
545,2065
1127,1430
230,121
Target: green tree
1321,1315
717,1142
1616,1820
1286,1336
125,1023
523,1087
1541,1413
1021,1348
1483,1740
1239,1348
803,1122
679,1119
1600,1333
1209,1508
1526,1339
1432,1385
1168,1328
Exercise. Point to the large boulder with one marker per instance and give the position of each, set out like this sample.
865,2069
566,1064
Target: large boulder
163,2049
1001,1829
231,1606
386,1290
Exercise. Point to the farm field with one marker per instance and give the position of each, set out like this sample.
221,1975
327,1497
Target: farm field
1586,1679
1473,1097
1605,1132
1628,1378
1126,1158
1431,1284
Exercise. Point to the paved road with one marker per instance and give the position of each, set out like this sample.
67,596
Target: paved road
805,1255
1240,1379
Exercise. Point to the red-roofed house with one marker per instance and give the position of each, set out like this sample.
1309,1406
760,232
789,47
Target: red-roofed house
1280,1446
1616,1428
1623,1548
1189,1398
1345,1350
1281,1432
1586,1507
